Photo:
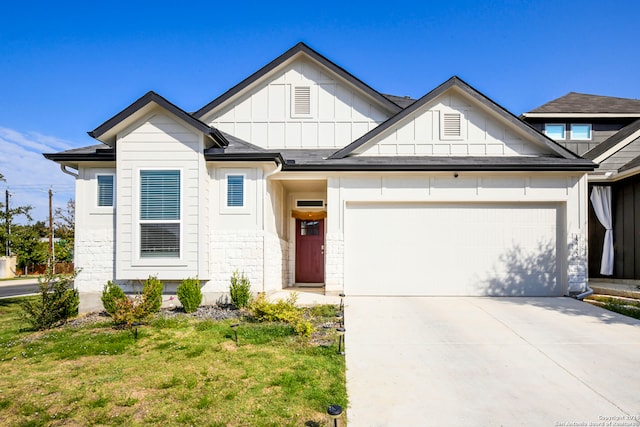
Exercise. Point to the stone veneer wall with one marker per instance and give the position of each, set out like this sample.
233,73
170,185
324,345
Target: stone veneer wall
334,263
94,255
234,250
577,268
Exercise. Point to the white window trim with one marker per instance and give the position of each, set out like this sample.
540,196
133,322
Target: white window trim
564,126
97,193
139,261
581,139
239,210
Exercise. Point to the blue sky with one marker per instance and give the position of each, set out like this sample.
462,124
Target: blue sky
66,67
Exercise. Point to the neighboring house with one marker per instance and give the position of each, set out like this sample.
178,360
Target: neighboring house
605,130
304,175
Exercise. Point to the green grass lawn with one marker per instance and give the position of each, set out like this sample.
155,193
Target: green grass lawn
180,371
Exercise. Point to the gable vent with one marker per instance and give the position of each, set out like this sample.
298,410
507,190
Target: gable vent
451,125
302,100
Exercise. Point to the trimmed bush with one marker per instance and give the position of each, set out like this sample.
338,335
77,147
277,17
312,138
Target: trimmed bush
56,302
240,290
111,294
190,295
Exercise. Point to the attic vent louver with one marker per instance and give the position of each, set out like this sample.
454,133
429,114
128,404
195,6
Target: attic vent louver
451,125
302,100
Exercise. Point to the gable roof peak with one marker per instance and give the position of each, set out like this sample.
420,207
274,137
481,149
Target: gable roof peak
471,92
298,48
107,131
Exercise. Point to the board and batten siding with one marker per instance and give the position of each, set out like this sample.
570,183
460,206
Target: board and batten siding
160,142
339,113
566,190
420,133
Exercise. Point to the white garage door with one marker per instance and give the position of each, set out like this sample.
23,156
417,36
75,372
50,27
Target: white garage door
452,249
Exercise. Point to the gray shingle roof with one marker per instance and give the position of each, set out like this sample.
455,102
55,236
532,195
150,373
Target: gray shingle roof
574,102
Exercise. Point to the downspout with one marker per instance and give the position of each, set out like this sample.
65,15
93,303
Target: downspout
585,294
64,169
264,215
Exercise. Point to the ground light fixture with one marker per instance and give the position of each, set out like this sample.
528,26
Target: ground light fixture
340,319
341,332
234,326
341,295
335,412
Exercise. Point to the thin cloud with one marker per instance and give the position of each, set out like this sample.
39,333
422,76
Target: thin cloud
29,175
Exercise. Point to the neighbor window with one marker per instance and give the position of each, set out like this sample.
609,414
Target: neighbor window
555,130
581,131
235,191
105,190
159,214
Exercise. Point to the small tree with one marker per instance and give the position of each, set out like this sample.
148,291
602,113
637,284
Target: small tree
190,295
56,301
111,294
240,290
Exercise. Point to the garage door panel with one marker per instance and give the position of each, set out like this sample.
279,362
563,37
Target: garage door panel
451,249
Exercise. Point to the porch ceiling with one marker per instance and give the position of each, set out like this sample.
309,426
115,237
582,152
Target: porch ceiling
305,186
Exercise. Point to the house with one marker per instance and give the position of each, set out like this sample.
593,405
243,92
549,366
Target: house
605,130
304,175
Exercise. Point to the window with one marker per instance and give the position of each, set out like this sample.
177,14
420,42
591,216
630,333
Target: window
301,101
235,191
105,190
159,214
581,132
555,131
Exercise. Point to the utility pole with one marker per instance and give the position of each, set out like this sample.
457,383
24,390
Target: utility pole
7,224
51,260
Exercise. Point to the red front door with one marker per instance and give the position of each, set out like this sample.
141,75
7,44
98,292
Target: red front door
309,251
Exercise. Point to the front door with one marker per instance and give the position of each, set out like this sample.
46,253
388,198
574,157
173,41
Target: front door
309,251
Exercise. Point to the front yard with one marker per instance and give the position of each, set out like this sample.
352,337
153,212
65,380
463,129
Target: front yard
180,371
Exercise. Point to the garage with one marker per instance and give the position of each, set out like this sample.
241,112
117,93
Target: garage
453,249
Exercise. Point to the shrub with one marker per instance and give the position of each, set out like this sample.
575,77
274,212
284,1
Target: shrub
281,311
131,311
111,294
152,294
190,295
56,302
240,290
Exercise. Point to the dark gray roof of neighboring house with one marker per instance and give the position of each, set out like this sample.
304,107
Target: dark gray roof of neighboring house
455,81
298,48
402,101
631,165
611,142
148,98
574,102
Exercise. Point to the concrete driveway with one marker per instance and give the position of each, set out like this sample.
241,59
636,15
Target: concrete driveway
439,361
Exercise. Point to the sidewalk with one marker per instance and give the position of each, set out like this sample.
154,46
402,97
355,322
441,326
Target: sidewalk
20,281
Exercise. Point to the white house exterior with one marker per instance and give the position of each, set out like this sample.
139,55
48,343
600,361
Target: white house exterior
303,174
